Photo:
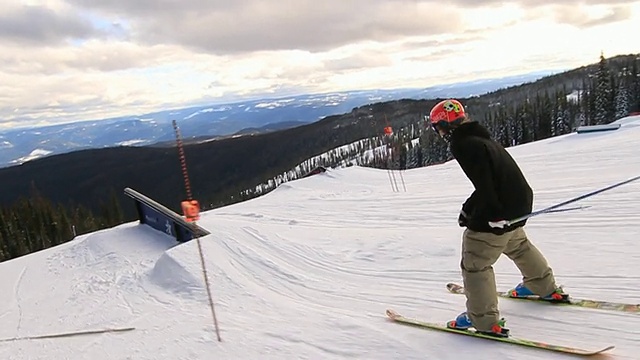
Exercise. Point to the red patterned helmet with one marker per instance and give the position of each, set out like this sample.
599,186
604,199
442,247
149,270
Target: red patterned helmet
446,113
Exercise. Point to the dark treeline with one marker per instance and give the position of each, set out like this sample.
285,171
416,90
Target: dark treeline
551,106
35,223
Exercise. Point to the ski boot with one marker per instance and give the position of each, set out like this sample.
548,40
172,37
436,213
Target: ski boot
462,322
557,296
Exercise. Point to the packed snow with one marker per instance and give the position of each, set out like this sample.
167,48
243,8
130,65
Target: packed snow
207,110
35,154
308,270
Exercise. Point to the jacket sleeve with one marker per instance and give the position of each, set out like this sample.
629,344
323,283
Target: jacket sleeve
476,164
470,203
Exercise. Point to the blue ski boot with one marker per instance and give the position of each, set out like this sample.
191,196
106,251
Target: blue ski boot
521,291
462,322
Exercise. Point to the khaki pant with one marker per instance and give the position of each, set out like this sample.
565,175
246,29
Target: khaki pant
480,251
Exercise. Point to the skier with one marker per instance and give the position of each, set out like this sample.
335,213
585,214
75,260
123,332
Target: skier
501,193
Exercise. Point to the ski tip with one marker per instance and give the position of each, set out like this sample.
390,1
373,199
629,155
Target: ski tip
454,288
392,314
610,347
596,352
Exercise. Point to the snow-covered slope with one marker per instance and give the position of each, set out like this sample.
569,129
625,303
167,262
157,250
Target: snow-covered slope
307,271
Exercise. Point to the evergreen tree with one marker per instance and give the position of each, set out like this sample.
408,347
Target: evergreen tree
512,127
586,103
622,97
414,156
3,250
559,122
604,109
525,122
634,85
544,117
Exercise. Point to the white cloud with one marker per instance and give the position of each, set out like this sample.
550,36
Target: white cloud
94,59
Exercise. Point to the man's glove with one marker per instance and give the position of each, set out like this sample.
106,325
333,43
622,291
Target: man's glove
499,224
462,219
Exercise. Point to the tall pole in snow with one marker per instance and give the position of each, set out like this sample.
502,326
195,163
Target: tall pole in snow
183,162
192,209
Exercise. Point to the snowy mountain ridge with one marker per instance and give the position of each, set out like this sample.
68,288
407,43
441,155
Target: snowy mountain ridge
25,144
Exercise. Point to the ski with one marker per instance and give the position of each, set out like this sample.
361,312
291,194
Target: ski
393,315
68,334
585,303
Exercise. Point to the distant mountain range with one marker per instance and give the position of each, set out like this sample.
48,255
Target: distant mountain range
221,120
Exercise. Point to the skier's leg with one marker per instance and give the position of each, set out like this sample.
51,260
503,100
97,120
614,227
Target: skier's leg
537,275
479,252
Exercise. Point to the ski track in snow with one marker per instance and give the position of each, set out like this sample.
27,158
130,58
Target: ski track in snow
15,301
307,271
16,291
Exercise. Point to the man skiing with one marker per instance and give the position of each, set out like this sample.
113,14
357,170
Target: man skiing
501,193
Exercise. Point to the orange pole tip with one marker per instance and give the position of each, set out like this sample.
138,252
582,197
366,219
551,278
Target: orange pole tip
191,210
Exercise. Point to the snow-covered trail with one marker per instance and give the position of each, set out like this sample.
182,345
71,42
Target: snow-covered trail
307,271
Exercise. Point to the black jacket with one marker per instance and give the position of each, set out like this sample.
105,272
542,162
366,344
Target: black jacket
501,190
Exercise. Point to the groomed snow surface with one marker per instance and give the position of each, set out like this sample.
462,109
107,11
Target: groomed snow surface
307,271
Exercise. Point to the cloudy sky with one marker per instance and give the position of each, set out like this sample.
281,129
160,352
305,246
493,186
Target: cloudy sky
63,60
